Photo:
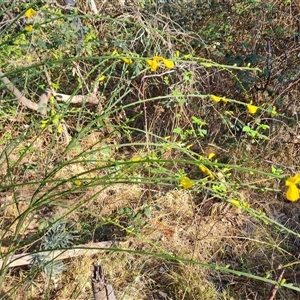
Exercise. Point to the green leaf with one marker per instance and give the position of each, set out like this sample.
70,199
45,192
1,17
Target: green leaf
147,212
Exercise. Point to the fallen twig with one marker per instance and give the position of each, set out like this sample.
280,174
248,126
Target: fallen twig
274,289
29,258
41,106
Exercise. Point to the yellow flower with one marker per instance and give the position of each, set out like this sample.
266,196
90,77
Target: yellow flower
56,56
225,100
211,155
78,182
135,158
44,124
29,28
215,98
252,109
206,65
157,58
239,204
153,64
115,52
102,78
56,119
274,112
60,129
292,193
127,61
186,183
30,13
246,205
168,64
177,53
293,180
187,56
235,202
206,172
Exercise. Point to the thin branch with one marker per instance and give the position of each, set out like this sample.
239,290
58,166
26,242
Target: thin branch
41,106
29,258
274,289
93,99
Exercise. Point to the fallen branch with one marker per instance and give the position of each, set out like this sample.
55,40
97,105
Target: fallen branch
41,106
29,258
93,99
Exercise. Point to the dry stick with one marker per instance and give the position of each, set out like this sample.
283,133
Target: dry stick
274,289
101,289
28,258
92,98
44,98
42,105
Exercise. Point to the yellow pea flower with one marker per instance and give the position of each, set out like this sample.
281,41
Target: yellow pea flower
235,202
246,205
78,182
115,52
239,204
293,180
215,98
135,158
44,124
153,64
187,56
56,56
252,109
56,119
127,61
206,172
292,193
206,65
211,155
30,13
274,112
157,58
101,78
225,100
29,28
186,182
168,64
60,129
